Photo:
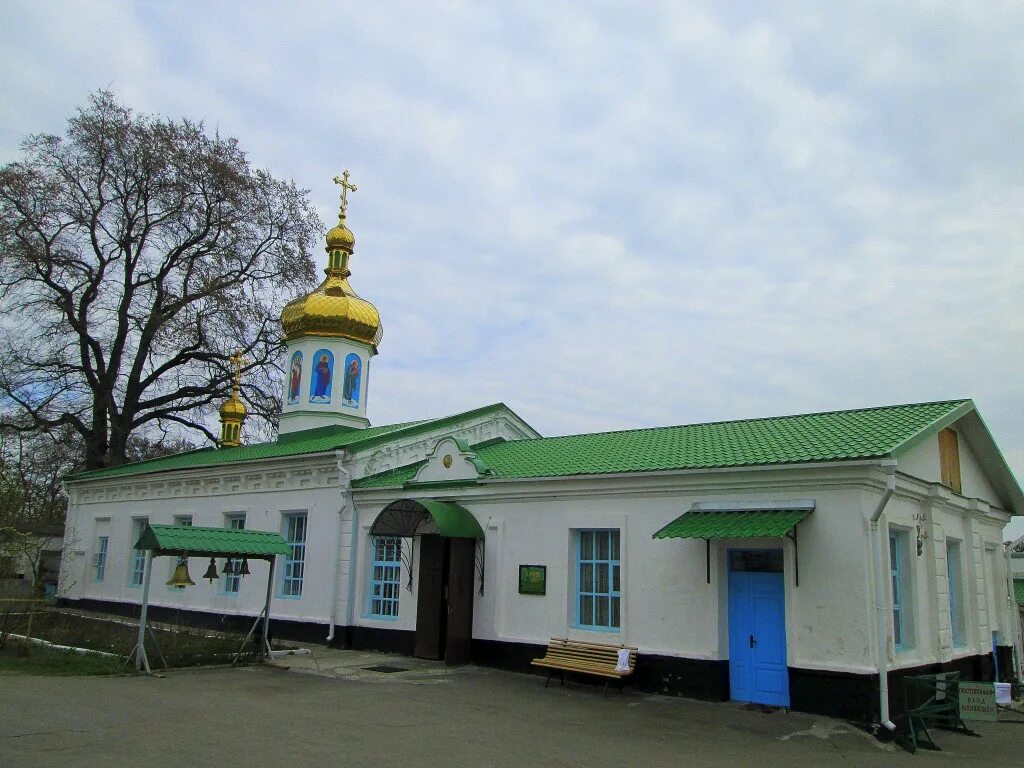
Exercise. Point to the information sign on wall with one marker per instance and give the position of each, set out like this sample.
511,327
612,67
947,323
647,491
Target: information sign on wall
977,701
533,579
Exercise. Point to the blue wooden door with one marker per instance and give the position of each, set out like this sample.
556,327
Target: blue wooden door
757,639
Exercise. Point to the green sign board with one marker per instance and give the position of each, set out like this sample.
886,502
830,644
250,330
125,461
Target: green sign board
977,700
533,579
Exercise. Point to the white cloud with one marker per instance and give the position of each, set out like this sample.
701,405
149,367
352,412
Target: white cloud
609,219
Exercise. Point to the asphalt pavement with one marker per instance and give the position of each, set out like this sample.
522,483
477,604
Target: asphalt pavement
329,709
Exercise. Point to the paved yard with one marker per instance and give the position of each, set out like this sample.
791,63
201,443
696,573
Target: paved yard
328,710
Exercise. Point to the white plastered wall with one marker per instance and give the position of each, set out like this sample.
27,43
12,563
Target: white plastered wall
922,462
932,513
263,509
667,606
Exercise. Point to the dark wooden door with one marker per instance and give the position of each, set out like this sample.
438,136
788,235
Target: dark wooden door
430,603
459,635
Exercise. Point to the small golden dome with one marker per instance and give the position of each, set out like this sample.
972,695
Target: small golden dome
233,408
341,236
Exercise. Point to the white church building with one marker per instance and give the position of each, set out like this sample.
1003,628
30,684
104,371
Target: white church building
792,561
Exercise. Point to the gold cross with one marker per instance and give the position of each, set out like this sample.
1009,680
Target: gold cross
238,361
343,182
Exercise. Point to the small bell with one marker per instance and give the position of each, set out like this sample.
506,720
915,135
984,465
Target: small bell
229,568
211,572
243,569
181,579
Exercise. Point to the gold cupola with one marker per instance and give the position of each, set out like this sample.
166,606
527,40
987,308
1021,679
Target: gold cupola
334,309
233,412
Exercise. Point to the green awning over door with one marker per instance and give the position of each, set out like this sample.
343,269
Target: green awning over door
736,520
415,517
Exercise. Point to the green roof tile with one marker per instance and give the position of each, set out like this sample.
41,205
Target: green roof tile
318,440
212,541
1018,590
699,524
391,478
831,436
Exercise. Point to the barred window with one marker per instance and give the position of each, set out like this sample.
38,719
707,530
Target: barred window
385,578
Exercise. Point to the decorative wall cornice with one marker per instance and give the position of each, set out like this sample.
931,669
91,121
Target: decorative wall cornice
289,473
213,481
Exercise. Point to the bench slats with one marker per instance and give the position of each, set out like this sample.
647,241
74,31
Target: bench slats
589,658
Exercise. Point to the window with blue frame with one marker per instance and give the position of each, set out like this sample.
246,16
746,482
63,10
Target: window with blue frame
385,576
902,616
231,580
294,525
100,562
597,579
138,562
955,574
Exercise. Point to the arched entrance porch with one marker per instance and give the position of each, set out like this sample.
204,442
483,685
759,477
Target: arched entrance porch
448,536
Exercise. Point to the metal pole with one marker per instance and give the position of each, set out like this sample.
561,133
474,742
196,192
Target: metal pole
266,609
140,644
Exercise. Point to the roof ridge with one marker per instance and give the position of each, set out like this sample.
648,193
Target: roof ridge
958,401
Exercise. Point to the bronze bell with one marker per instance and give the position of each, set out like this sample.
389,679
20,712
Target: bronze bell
229,568
243,569
181,579
211,572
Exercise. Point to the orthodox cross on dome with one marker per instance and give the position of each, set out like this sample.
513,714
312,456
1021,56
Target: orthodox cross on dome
237,361
345,185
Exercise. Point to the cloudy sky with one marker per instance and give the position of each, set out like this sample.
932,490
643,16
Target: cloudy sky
612,218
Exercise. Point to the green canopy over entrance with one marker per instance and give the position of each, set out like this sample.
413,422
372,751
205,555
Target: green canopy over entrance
739,520
416,517
751,524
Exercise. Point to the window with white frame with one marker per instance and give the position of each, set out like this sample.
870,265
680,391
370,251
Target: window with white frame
385,575
137,571
955,575
294,531
902,612
598,594
100,558
232,581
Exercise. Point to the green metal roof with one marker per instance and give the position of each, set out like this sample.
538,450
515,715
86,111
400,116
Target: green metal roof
216,542
1018,590
749,524
392,478
453,520
309,441
831,436
413,517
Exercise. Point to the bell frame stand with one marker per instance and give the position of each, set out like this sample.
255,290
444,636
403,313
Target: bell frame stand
139,651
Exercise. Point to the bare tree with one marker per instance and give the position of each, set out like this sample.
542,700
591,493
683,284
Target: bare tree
136,254
32,499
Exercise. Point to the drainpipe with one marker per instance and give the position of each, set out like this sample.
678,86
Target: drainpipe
346,502
1014,616
881,607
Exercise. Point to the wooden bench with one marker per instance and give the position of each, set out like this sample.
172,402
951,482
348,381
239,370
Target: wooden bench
564,655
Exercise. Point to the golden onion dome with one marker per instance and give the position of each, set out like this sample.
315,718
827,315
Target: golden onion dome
233,408
341,236
334,309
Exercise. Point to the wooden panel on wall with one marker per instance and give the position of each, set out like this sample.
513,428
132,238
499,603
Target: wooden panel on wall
949,459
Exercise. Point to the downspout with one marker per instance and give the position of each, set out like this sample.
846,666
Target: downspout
346,502
1014,617
881,607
